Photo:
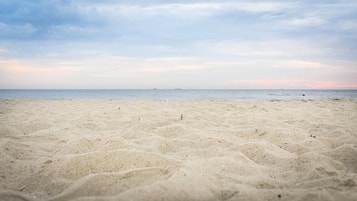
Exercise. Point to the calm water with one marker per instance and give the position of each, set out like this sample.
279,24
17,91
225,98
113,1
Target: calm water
174,95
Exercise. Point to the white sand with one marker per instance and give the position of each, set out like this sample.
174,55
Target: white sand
220,150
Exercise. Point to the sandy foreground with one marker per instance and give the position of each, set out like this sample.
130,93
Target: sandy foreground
142,150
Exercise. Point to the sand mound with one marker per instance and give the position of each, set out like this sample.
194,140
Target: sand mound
77,166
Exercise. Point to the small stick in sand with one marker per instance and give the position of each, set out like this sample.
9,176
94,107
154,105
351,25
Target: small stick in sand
181,116
22,188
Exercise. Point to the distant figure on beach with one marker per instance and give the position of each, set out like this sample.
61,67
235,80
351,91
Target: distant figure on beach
303,94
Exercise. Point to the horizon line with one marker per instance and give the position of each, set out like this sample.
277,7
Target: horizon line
178,89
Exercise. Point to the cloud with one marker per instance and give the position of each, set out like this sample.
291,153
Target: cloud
72,32
182,9
301,64
330,85
292,83
15,73
31,20
154,65
348,25
307,21
296,49
110,64
162,22
3,51
9,30
20,66
266,83
169,69
200,42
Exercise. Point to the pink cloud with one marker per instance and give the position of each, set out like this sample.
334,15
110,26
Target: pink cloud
16,66
331,85
19,66
292,83
268,83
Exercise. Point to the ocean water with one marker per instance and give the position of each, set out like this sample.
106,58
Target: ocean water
178,94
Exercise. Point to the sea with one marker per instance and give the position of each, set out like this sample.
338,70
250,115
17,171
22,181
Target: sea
179,94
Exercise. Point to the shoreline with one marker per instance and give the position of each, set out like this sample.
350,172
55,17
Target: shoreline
183,100
182,95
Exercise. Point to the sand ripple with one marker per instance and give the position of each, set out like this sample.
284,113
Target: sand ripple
194,150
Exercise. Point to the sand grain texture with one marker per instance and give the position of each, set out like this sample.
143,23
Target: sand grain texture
189,150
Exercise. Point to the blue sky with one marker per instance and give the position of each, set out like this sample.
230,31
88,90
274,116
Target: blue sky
178,44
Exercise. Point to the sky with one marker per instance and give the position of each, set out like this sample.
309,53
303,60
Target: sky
211,44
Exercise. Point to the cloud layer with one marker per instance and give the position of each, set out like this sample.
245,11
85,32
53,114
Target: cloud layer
186,44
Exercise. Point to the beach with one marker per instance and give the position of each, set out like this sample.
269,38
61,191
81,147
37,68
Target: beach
178,150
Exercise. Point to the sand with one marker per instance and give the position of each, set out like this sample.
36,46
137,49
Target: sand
189,150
